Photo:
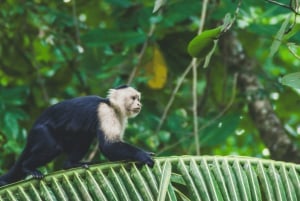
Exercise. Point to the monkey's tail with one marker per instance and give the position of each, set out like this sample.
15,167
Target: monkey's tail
14,174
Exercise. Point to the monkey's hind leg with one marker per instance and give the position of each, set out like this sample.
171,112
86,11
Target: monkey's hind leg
41,148
75,156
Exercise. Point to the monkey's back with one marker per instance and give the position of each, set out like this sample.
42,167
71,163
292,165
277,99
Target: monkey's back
71,118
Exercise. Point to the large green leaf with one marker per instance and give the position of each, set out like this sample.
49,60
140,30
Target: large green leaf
172,178
292,80
279,36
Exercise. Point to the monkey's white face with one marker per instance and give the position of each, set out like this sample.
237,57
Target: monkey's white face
127,100
133,102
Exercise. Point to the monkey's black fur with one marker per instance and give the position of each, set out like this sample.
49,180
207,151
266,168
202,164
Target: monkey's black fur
122,86
69,127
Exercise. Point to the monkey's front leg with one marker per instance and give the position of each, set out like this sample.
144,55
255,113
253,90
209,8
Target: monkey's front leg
116,151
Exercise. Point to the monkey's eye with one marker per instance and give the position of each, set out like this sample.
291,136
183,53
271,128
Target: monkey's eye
133,97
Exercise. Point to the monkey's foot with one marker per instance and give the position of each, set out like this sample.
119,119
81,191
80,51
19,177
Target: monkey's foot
36,174
85,165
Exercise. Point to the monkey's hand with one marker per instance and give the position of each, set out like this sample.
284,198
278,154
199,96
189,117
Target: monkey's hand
144,157
119,151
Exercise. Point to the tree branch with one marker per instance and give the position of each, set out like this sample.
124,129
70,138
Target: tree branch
268,124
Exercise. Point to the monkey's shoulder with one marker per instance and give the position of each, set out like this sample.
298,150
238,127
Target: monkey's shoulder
85,100
77,109
79,103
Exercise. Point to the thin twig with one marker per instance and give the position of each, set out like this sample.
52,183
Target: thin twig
180,81
77,32
237,10
40,79
230,103
195,104
171,100
41,82
193,64
228,106
141,54
74,61
294,10
203,16
93,153
195,80
279,4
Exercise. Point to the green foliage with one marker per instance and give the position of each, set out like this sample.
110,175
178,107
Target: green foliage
11,114
52,50
217,132
172,178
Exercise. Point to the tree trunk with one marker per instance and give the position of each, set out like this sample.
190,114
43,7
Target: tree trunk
265,119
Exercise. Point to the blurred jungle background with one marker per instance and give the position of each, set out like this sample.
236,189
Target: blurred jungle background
231,102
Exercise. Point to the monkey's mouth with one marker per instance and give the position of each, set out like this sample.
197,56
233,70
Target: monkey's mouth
136,110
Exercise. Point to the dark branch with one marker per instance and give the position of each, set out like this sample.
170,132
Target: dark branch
290,7
265,119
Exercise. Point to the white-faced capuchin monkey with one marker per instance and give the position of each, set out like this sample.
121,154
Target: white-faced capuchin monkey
70,126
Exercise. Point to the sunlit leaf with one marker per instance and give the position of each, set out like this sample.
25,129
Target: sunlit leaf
165,181
278,38
158,4
294,4
294,49
293,32
292,80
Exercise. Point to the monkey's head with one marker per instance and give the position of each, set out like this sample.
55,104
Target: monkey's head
125,100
